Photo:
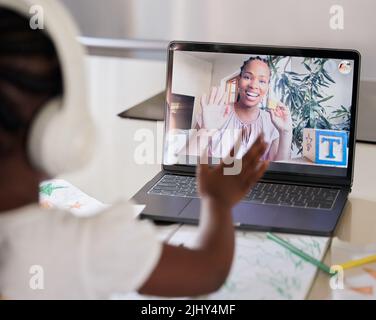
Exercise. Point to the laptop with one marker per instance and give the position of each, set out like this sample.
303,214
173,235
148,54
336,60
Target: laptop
308,182
150,110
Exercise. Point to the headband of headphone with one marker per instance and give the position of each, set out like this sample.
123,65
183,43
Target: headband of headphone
61,138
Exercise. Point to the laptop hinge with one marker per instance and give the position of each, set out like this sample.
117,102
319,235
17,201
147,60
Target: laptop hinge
315,184
182,172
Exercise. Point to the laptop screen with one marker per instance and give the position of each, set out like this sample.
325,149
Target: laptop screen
301,103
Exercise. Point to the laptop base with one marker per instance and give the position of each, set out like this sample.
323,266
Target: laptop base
246,215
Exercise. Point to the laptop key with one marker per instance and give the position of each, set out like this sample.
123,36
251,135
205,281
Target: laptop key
257,201
286,203
313,204
326,205
272,201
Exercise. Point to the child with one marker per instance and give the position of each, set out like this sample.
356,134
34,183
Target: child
91,257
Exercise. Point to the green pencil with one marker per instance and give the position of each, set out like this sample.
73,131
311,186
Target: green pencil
299,252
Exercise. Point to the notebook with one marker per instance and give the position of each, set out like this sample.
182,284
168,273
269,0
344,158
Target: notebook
262,269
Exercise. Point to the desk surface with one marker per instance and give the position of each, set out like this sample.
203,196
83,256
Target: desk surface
357,224
120,176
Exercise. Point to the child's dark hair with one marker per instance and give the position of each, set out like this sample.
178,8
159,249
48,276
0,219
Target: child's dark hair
19,41
253,59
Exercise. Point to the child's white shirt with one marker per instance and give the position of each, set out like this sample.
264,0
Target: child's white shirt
52,254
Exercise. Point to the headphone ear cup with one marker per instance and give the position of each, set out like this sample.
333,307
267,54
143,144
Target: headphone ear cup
60,142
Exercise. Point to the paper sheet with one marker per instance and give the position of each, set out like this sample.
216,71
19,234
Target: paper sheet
262,269
358,282
58,193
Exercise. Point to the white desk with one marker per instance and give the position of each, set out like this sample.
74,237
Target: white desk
121,176
357,225
358,222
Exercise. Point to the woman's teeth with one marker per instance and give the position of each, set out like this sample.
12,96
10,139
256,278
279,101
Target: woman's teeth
252,94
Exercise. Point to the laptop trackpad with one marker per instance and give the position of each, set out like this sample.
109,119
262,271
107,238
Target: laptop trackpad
164,206
244,213
249,214
192,210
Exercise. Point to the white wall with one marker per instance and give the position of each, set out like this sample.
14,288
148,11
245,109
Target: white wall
226,65
114,85
272,22
191,76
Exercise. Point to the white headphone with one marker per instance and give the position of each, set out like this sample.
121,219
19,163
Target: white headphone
62,135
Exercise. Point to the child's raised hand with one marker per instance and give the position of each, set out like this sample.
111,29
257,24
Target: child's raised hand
227,190
213,108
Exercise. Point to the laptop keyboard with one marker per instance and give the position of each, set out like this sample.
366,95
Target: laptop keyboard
261,193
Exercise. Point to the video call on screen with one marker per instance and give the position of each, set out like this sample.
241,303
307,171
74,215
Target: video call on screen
301,104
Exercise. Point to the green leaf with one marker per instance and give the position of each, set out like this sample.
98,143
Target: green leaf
326,75
307,66
48,189
325,99
294,73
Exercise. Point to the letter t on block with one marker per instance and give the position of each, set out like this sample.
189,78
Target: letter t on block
325,146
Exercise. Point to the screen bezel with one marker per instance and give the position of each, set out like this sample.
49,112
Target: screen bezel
350,54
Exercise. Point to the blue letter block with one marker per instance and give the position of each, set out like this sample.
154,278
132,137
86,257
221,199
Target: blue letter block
325,146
